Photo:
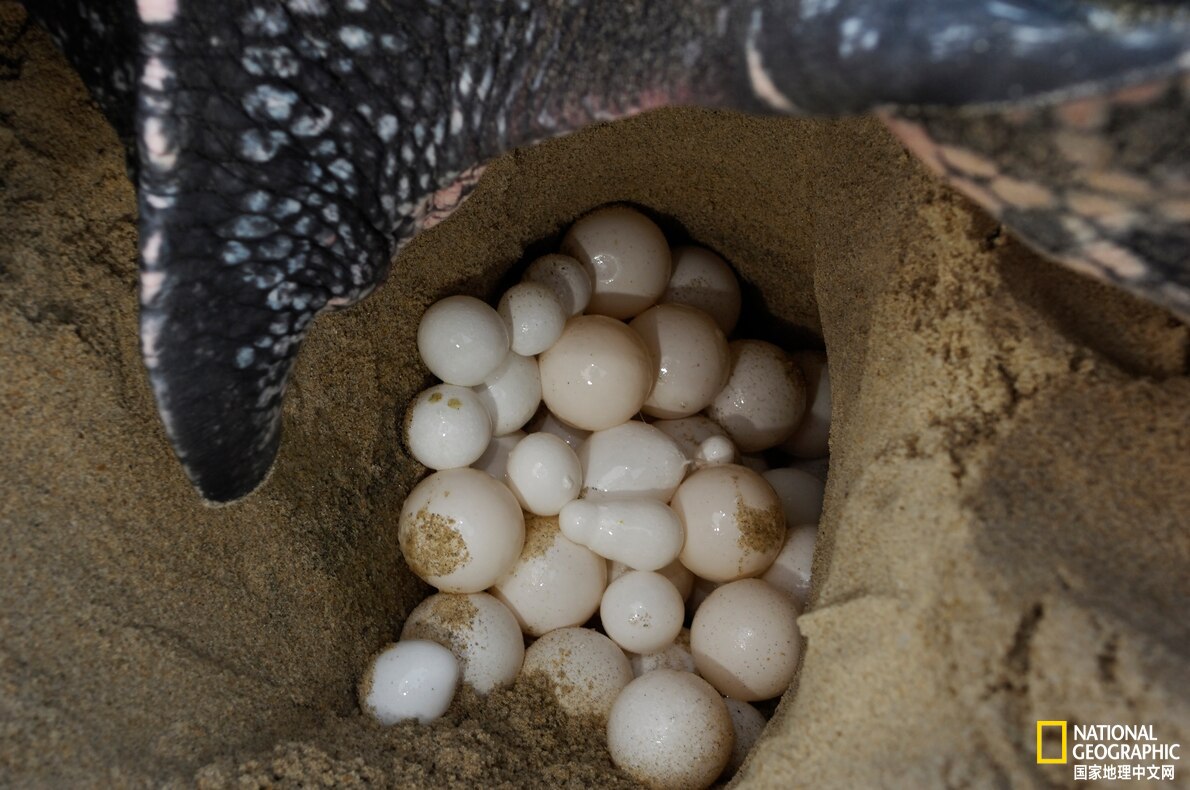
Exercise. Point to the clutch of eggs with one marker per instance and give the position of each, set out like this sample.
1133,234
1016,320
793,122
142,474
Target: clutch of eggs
593,449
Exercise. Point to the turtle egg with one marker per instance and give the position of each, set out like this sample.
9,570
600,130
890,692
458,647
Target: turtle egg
704,280
670,729
676,572
597,374
747,723
479,630
494,460
642,533
533,315
733,522
566,277
764,398
626,256
554,583
800,493
690,359
715,450
745,640
585,670
811,437
641,611
511,393
462,340
460,530
632,460
409,680
676,655
544,473
690,432
447,427
790,572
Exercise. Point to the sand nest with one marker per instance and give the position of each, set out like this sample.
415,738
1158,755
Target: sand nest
1004,537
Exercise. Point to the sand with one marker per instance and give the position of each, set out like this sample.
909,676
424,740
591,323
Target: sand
1005,535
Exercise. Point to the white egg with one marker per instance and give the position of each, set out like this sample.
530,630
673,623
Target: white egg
447,427
670,729
547,422
409,680
745,640
584,669
747,723
690,359
555,583
800,492
597,374
460,530
462,340
479,630
790,572
811,437
630,461
494,460
511,393
533,315
641,611
675,655
676,572
733,522
764,399
690,432
566,277
626,256
715,450
642,533
704,280
544,473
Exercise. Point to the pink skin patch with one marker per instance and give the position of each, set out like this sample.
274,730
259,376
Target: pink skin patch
435,209
155,12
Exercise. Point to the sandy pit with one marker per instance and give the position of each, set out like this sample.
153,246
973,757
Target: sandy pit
1005,536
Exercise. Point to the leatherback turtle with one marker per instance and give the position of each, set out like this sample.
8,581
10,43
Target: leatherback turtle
285,150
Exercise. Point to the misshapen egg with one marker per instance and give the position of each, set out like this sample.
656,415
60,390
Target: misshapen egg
643,533
630,461
703,280
462,340
690,359
409,680
566,277
533,316
479,630
764,398
511,393
585,670
626,256
447,427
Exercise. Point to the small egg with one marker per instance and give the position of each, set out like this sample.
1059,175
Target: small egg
670,729
585,670
626,256
811,437
764,399
790,572
494,460
747,723
630,461
676,572
597,374
641,611
715,450
460,530
555,583
409,680
544,473
447,427
676,655
462,340
745,640
533,316
479,630
546,422
704,280
690,432
690,359
642,533
800,492
566,277
511,393
733,522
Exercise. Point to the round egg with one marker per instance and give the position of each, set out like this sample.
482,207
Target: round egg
555,583
546,422
544,474
670,729
800,492
460,530
691,433
494,460
703,280
690,359
811,437
566,277
447,427
764,398
745,640
676,572
462,340
790,572
675,655
733,522
747,723
632,460
409,680
511,393
598,374
715,450
642,611
642,533
533,316
585,670
480,631
625,255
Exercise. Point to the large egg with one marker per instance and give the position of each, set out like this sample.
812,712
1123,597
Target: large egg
626,255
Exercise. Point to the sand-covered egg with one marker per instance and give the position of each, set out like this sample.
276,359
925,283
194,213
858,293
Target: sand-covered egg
641,611
447,427
511,393
627,257
691,361
479,630
703,280
629,461
585,670
409,680
764,398
462,340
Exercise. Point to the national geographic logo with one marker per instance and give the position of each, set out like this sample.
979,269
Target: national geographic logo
1108,751
1052,727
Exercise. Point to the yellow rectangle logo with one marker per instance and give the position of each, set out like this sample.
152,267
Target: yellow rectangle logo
1041,726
